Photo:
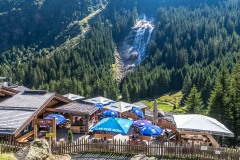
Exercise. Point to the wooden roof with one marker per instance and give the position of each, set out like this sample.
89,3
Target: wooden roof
77,108
19,110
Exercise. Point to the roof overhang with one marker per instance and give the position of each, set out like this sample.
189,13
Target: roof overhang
54,96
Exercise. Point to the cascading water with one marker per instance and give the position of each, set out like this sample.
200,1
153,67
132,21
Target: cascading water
132,50
144,29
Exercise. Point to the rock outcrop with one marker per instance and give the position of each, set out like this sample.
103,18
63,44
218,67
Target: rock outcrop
39,150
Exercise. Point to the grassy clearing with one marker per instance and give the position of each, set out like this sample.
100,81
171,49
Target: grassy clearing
173,98
167,102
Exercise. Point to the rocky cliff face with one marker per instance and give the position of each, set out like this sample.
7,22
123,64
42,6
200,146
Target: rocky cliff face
133,49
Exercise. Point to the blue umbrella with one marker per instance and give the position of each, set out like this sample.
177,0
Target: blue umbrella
110,113
111,124
99,105
151,130
59,118
142,123
137,111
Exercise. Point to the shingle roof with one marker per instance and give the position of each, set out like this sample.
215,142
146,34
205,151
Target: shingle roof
15,111
78,108
21,88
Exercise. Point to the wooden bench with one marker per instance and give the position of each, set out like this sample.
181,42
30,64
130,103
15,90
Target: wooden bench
108,136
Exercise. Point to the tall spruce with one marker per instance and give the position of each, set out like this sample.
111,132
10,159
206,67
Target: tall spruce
219,99
194,102
125,93
234,104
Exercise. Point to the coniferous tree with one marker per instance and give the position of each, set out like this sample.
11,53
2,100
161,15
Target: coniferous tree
233,117
219,100
125,93
194,102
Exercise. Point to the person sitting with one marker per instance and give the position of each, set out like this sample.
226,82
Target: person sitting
132,141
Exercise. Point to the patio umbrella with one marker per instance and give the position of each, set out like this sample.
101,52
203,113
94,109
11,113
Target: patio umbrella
141,123
137,111
110,113
118,125
151,130
59,118
99,105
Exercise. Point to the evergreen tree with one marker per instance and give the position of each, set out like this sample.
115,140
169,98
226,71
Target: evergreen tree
233,117
219,101
194,102
125,93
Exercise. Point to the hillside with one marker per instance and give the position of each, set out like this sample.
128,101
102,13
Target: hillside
192,47
41,22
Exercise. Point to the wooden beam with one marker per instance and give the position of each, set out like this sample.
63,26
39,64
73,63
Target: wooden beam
192,133
35,128
25,136
52,110
8,92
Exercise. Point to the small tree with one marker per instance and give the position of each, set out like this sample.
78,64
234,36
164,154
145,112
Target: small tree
194,102
70,136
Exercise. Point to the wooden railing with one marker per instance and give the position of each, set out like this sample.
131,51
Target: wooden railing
10,146
162,149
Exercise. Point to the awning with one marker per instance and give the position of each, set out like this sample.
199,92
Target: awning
202,124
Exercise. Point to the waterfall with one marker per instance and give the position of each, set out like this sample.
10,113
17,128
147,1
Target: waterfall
144,29
132,50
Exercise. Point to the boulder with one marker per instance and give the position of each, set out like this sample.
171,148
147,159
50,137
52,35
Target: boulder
39,150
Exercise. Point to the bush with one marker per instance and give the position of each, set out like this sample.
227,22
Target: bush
70,136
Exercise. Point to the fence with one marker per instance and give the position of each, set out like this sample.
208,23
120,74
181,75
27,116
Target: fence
10,146
162,149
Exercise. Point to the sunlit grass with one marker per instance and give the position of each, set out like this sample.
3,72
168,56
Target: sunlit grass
8,156
167,102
